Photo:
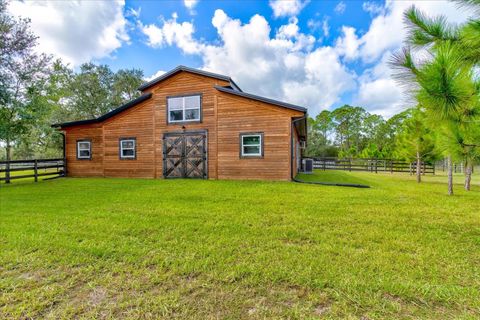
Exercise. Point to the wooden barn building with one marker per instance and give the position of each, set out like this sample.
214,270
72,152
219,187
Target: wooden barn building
189,123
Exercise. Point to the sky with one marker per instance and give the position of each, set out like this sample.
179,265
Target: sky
317,54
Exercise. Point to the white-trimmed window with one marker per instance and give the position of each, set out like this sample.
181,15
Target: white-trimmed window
84,149
184,109
128,148
251,145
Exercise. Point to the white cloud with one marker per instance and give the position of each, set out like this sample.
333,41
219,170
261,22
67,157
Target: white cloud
347,45
76,31
387,31
314,25
340,7
381,96
373,8
171,32
285,66
377,90
326,27
190,5
287,8
155,75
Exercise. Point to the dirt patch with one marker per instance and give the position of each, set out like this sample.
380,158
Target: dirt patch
97,296
321,309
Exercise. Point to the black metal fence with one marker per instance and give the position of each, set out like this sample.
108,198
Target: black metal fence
372,165
21,169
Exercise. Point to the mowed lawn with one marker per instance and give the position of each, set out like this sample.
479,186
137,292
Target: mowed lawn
133,248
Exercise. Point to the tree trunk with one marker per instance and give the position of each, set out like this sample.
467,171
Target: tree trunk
419,166
450,176
468,176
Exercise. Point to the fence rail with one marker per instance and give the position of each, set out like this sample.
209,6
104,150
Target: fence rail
371,165
21,169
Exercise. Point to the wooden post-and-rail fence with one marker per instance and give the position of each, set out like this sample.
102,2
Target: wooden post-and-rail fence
21,169
372,165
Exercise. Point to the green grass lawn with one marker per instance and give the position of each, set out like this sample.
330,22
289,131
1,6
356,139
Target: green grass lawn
133,248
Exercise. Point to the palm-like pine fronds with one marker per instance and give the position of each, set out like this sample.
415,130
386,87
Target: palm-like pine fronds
446,84
470,35
425,31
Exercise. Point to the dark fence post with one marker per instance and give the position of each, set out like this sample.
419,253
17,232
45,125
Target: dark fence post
35,170
64,167
7,172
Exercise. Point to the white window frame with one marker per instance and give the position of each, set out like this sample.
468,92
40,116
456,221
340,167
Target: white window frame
184,108
260,145
122,156
83,149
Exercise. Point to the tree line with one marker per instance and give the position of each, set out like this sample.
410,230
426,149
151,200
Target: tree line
37,91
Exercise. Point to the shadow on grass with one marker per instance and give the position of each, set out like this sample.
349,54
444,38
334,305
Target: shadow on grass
333,177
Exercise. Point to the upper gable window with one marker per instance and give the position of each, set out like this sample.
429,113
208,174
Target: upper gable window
184,109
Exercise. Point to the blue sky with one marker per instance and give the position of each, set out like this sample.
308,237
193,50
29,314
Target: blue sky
147,58
318,54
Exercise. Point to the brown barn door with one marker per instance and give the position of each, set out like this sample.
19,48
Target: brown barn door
185,155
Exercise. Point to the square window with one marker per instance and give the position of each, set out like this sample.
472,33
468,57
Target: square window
251,145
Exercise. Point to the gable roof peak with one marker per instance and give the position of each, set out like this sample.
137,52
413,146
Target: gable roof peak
180,68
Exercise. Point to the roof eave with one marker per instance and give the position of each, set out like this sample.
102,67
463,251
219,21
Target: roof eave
186,69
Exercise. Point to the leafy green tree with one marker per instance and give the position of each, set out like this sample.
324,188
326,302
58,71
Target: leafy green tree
21,72
318,132
96,89
90,91
48,103
348,122
125,85
324,124
416,140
